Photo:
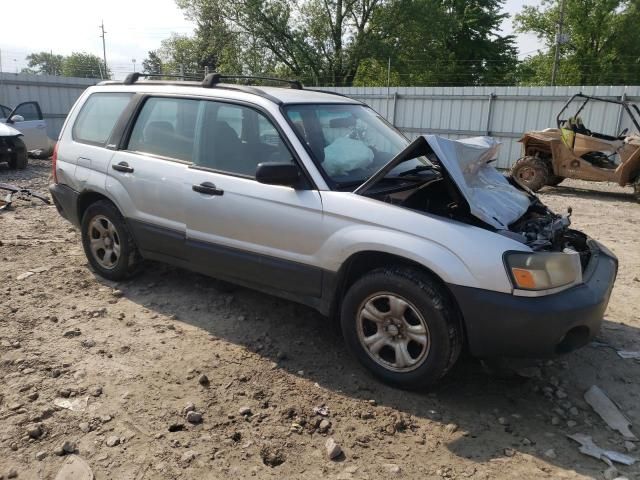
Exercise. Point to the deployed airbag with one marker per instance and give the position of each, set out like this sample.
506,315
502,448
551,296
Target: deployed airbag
490,196
346,154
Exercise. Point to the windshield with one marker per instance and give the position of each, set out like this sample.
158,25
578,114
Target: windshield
349,142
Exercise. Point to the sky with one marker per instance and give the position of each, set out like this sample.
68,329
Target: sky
133,27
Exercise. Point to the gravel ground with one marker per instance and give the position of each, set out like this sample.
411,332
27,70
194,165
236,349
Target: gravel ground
175,375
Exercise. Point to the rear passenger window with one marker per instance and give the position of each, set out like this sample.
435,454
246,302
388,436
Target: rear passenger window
166,127
98,116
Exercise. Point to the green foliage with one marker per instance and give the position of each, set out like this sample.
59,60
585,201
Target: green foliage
44,63
603,45
153,63
83,65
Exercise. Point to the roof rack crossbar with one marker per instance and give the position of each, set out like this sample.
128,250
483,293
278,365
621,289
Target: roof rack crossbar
132,78
213,79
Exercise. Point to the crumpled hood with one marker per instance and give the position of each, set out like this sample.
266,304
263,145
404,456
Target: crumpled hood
490,196
7,131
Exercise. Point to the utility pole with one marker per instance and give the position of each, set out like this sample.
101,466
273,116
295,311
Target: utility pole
104,48
559,40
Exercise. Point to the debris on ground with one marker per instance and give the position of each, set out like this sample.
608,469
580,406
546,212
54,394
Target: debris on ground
609,412
75,405
588,447
75,468
332,449
626,354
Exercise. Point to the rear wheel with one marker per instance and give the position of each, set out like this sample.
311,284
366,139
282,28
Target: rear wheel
533,172
107,243
636,188
18,157
401,326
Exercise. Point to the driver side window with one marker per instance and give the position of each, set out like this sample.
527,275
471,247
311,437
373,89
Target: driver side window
235,139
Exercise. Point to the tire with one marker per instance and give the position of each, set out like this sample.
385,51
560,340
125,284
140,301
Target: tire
636,189
114,255
532,172
19,158
422,303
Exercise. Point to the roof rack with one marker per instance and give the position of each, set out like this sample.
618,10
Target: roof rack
214,79
132,78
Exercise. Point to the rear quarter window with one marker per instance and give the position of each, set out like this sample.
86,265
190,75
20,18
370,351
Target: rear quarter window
98,116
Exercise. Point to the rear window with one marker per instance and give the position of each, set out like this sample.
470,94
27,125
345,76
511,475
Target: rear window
98,116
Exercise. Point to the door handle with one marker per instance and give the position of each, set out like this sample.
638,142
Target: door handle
122,167
207,188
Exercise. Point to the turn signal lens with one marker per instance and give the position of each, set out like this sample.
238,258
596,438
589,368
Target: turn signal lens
523,278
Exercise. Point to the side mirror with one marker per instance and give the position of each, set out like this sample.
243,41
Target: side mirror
16,118
278,173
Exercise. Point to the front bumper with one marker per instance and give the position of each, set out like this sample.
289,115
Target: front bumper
503,325
66,201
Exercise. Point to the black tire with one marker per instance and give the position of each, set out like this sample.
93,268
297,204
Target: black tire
533,172
421,292
125,263
19,157
636,189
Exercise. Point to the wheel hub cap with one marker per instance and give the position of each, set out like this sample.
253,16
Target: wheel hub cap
104,241
393,332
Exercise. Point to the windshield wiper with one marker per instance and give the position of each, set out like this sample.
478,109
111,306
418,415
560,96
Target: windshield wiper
417,169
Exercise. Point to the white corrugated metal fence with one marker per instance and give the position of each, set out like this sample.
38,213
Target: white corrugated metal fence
502,112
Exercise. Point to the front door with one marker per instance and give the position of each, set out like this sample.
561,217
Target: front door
238,228
31,125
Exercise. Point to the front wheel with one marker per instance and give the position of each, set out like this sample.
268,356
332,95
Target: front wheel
401,326
107,243
533,172
19,157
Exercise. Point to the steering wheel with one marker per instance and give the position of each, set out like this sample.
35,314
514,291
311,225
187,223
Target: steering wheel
623,133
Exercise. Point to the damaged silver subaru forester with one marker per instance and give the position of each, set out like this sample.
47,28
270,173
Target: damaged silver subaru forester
419,249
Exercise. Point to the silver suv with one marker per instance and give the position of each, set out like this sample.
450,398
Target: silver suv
418,249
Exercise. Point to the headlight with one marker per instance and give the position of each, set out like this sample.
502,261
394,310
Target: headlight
539,271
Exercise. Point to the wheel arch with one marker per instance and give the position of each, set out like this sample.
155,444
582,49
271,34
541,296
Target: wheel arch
362,262
88,197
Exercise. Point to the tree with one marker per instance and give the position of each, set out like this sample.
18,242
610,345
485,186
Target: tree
315,40
44,63
602,46
153,63
84,65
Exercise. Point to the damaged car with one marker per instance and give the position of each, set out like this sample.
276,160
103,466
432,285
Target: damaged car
418,249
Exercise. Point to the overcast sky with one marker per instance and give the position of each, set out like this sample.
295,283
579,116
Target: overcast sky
133,28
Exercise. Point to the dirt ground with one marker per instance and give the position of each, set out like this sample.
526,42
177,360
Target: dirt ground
129,357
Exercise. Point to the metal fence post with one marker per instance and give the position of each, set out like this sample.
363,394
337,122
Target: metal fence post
623,97
492,96
393,110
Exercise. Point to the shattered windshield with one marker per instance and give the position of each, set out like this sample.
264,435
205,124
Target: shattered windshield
349,142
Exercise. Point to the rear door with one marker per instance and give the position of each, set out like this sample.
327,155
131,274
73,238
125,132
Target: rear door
148,175
33,126
238,228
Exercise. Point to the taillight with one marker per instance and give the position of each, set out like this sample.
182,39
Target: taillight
54,161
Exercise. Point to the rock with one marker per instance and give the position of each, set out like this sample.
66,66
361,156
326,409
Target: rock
503,421
75,468
194,417
188,456
451,428
611,473
551,453
176,427
281,355
15,406
41,455
12,473
117,293
629,446
203,380
35,432
113,441
555,421
189,407
332,449
72,333
271,456
33,396
574,412
509,452
392,468
561,394
245,411
324,426
526,442
96,391
85,427
571,423
66,448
